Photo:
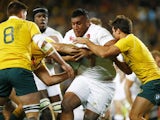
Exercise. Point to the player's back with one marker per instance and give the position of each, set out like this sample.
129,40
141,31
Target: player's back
15,39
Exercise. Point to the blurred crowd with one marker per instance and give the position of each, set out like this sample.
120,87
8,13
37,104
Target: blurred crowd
144,13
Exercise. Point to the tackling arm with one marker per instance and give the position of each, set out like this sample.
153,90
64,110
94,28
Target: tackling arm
102,51
50,51
122,65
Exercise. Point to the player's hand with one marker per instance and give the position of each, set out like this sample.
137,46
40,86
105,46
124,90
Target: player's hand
69,49
70,58
66,67
80,40
83,52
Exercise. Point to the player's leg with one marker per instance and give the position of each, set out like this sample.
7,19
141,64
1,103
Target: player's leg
5,90
18,112
45,104
55,96
99,99
8,109
26,91
146,99
76,94
3,101
69,103
31,105
141,106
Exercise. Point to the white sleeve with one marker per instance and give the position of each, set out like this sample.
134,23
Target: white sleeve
104,36
60,37
45,46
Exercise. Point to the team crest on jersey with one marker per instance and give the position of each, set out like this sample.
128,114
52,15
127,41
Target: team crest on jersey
88,36
71,38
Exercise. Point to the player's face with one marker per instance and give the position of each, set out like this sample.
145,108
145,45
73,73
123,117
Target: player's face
157,59
115,33
80,25
41,19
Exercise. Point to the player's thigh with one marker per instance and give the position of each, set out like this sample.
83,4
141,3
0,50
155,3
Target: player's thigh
14,97
141,106
5,85
100,97
32,98
80,87
24,84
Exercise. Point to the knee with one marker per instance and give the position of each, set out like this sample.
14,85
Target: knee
90,117
31,111
136,117
66,106
131,116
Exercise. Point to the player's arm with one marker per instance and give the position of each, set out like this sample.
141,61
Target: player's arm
106,51
71,52
43,74
66,48
122,66
50,51
102,51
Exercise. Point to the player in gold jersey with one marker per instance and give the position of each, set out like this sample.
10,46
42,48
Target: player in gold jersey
38,67
137,59
16,36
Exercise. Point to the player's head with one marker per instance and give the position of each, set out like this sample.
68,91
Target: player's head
80,21
122,23
40,17
18,9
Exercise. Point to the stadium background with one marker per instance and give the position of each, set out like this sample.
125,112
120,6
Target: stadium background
145,14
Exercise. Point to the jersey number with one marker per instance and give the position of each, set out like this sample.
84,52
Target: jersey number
8,35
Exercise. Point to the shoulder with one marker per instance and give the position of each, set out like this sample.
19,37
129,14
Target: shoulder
96,29
30,23
69,33
49,29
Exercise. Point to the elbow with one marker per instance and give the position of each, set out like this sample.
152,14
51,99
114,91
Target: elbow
50,82
102,55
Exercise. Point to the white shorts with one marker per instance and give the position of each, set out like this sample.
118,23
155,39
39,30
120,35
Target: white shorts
52,90
95,95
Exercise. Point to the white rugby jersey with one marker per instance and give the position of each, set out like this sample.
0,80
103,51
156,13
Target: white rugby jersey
95,33
98,35
51,32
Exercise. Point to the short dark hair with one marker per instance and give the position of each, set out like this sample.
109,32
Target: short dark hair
15,7
123,23
40,9
155,53
80,12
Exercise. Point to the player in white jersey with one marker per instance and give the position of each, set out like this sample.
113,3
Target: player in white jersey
53,92
93,87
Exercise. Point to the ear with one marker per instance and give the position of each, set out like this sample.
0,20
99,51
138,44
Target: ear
118,31
20,14
88,22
